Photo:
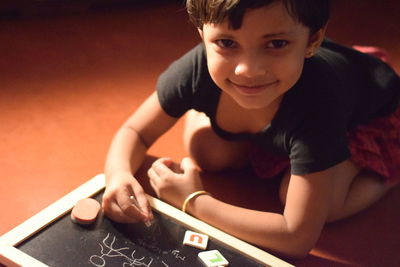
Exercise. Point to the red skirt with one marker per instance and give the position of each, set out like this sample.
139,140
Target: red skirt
374,146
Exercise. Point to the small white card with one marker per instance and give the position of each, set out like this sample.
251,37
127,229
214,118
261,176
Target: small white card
213,258
195,240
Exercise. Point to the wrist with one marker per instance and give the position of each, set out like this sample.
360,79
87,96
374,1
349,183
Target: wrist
118,176
190,199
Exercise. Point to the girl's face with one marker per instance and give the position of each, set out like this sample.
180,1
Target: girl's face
262,60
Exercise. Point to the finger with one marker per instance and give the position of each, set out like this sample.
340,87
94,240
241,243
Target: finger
161,169
155,188
114,212
173,166
129,206
144,204
120,216
153,177
166,161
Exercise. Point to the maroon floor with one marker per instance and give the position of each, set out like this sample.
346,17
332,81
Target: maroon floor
68,82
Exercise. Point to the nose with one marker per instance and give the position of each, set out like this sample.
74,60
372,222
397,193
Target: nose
250,66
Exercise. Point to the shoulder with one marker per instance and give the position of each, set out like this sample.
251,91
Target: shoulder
186,83
375,83
365,69
340,59
330,68
190,64
364,86
175,85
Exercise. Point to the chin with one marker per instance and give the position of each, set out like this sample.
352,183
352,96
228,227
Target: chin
252,104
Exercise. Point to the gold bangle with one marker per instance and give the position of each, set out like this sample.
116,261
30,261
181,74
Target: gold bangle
191,196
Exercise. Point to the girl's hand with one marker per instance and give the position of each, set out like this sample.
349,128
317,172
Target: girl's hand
118,205
173,182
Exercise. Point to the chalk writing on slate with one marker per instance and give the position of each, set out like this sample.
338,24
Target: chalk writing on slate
106,243
109,251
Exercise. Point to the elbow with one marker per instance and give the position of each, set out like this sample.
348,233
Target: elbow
292,251
299,253
301,245
296,246
299,239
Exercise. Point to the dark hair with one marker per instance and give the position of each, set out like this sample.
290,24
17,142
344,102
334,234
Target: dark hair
314,14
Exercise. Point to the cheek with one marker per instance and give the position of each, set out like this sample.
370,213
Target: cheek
290,70
219,69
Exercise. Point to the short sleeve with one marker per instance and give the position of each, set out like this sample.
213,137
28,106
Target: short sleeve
318,146
320,108
175,86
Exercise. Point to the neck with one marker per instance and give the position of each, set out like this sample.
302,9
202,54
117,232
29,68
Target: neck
234,118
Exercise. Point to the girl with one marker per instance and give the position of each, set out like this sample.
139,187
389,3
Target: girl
265,88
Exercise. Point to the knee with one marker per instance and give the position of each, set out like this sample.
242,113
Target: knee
207,154
207,149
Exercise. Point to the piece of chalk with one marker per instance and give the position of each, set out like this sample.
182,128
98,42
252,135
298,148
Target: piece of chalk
195,240
85,211
134,202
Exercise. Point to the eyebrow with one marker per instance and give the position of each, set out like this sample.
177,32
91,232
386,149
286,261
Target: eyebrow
266,36
224,36
273,35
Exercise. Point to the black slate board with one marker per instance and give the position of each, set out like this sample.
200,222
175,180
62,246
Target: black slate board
106,243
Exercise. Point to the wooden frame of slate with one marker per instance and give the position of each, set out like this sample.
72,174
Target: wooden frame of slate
10,255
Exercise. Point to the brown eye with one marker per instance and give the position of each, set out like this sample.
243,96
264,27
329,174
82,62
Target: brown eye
225,43
277,44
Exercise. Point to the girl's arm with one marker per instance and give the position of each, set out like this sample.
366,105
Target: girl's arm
126,154
293,233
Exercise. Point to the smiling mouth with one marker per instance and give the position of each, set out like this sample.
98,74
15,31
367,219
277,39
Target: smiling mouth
252,89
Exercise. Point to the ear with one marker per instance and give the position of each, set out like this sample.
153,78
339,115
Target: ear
200,33
315,42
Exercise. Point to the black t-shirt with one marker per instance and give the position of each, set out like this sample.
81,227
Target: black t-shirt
339,88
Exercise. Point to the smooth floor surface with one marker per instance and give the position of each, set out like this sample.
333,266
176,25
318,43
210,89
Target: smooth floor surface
68,82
